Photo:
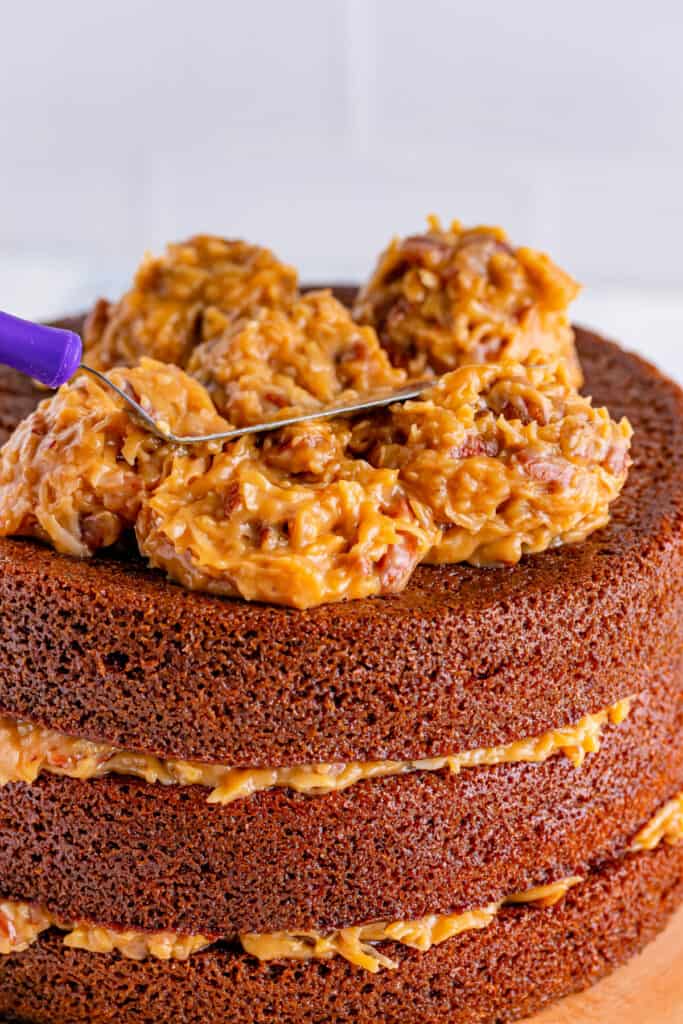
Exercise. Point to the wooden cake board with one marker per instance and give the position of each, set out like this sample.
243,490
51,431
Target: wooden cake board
647,990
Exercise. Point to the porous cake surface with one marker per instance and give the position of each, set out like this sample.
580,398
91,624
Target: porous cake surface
463,658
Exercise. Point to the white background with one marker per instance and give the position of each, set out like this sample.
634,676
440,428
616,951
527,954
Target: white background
321,127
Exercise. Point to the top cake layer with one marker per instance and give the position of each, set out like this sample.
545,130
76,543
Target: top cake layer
495,655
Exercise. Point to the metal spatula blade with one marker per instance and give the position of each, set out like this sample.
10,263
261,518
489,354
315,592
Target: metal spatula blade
52,355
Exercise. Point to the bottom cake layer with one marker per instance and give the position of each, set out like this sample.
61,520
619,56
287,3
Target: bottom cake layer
526,958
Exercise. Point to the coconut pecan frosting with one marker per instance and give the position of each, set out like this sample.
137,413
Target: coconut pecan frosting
502,457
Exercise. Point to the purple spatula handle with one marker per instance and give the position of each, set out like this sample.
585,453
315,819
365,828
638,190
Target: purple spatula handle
49,354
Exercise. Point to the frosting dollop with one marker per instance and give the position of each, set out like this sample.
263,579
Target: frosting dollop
456,295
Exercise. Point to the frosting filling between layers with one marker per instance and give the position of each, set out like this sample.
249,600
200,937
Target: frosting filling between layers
666,826
354,944
27,749
22,923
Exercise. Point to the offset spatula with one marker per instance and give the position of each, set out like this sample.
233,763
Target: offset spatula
52,355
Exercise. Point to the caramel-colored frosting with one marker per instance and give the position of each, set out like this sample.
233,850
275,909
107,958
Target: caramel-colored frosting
509,460
75,473
21,924
321,512
27,749
494,462
186,297
291,519
356,944
454,295
242,523
279,363
135,945
666,826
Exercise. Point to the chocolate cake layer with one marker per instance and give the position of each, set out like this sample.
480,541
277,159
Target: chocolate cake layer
127,853
464,658
524,959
